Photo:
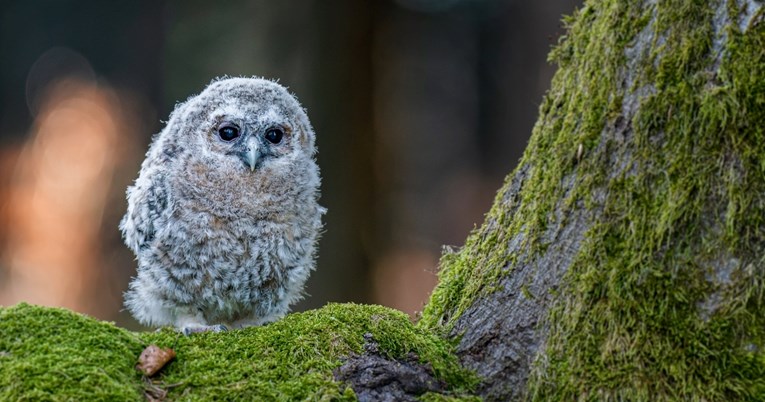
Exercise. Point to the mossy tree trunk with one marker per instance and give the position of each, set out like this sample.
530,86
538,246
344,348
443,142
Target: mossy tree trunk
625,256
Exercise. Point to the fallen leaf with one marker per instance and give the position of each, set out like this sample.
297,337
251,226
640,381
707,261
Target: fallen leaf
153,358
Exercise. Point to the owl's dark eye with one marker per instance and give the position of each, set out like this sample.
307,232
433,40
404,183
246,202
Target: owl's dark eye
274,135
228,132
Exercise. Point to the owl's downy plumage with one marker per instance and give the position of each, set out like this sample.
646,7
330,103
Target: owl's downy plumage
224,216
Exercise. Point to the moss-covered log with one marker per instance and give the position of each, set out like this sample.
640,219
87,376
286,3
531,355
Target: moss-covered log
55,354
624,258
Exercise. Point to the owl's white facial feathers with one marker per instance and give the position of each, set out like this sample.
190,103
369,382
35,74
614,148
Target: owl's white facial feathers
215,239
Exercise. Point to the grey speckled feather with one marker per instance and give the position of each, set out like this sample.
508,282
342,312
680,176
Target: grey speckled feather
225,229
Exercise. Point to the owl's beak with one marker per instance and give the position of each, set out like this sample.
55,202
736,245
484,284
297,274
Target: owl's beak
251,153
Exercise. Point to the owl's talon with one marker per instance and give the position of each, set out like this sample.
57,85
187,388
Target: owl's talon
187,331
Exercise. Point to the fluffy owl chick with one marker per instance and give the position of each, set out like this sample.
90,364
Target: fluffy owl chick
224,217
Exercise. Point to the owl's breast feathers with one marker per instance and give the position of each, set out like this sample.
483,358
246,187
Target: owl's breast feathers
236,263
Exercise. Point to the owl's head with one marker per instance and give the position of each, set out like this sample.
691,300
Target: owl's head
246,136
250,120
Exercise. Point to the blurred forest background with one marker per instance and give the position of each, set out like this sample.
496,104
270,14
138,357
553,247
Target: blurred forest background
421,107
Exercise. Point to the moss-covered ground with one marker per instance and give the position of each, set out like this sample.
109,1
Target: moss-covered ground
55,354
664,300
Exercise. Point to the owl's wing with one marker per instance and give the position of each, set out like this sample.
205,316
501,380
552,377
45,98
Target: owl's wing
147,202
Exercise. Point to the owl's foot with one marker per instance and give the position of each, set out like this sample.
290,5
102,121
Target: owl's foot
203,328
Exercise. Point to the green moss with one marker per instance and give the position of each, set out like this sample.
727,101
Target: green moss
632,325
293,358
54,354
59,355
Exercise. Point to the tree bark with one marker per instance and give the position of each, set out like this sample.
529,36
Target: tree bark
623,259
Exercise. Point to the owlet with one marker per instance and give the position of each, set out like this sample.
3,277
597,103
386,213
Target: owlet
224,218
